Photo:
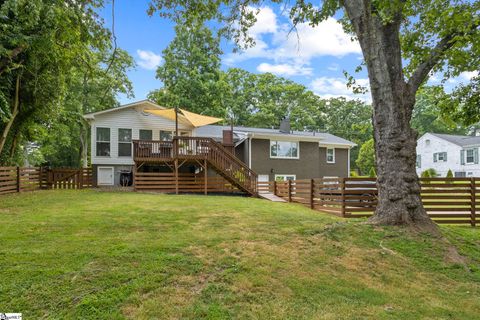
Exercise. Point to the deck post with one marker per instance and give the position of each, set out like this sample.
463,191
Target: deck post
274,187
176,176
206,176
134,176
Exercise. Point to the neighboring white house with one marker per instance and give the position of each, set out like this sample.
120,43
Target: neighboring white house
444,152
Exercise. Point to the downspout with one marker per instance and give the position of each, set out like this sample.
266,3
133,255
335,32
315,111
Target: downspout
249,151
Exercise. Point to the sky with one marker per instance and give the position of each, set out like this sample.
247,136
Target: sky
314,56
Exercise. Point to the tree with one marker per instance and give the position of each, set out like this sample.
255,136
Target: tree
48,47
191,71
428,36
366,157
427,114
449,173
352,120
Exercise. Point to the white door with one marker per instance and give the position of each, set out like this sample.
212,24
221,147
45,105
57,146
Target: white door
105,176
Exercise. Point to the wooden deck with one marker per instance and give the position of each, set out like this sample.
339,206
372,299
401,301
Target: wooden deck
205,153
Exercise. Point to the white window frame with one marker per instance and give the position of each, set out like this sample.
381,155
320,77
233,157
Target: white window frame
283,157
125,142
103,141
285,177
326,155
473,156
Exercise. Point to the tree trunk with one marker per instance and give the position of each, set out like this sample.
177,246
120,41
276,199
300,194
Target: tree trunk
399,201
83,145
15,110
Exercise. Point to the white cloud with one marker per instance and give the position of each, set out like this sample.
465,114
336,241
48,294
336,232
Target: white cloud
468,75
300,45
148,59
284,69
327,87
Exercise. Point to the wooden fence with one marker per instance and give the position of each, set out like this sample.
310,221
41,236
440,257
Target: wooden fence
446,200
19,179
187,183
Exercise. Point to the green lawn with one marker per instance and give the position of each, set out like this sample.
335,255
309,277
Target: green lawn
99,255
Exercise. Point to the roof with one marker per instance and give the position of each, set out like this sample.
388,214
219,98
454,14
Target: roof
125,106
243,132
459,140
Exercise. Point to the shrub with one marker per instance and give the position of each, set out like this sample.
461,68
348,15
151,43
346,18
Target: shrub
449,173
372,173
353,174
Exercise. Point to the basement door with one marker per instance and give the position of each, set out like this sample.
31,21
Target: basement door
105,176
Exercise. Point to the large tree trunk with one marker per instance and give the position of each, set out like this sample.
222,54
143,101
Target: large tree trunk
399,201
15,109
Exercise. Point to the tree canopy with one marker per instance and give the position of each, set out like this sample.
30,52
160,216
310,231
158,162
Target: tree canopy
57,61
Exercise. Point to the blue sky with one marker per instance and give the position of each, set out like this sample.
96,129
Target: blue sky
316,58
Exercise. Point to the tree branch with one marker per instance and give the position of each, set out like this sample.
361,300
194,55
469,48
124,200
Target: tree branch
423,69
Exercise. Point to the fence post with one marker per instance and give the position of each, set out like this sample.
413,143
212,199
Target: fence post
289,190
342,181
312,189
274,187
40,177
18,180
472,202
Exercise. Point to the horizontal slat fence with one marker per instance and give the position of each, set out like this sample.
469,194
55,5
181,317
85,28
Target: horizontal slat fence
187,183
446,200
20,179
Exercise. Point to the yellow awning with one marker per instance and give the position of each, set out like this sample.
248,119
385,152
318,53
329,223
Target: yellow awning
198,120
185,117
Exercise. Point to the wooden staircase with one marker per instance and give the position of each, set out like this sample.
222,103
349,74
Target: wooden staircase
199,149
222,161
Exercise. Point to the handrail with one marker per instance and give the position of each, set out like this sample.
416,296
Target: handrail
199,148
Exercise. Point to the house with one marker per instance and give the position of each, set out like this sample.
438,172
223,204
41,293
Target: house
129,139
444,152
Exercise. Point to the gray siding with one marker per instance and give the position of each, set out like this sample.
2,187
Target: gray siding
311,164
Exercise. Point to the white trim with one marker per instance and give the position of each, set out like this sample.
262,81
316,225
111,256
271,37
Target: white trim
326,155
92,115
113,177
283,157
285,175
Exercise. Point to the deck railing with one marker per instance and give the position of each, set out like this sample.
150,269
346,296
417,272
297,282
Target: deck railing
199,148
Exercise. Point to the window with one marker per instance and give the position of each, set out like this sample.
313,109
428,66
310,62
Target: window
427,142
440,156
145,134
166,135
124,142
103,142
460,174
470,156
419,161
284,149
330,155
285,177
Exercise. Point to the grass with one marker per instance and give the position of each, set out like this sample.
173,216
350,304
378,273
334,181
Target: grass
98,255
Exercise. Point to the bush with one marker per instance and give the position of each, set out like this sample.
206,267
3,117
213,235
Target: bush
372,173
353,174
449,173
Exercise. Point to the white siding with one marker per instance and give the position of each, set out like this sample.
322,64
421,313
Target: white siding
129,118
453,157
